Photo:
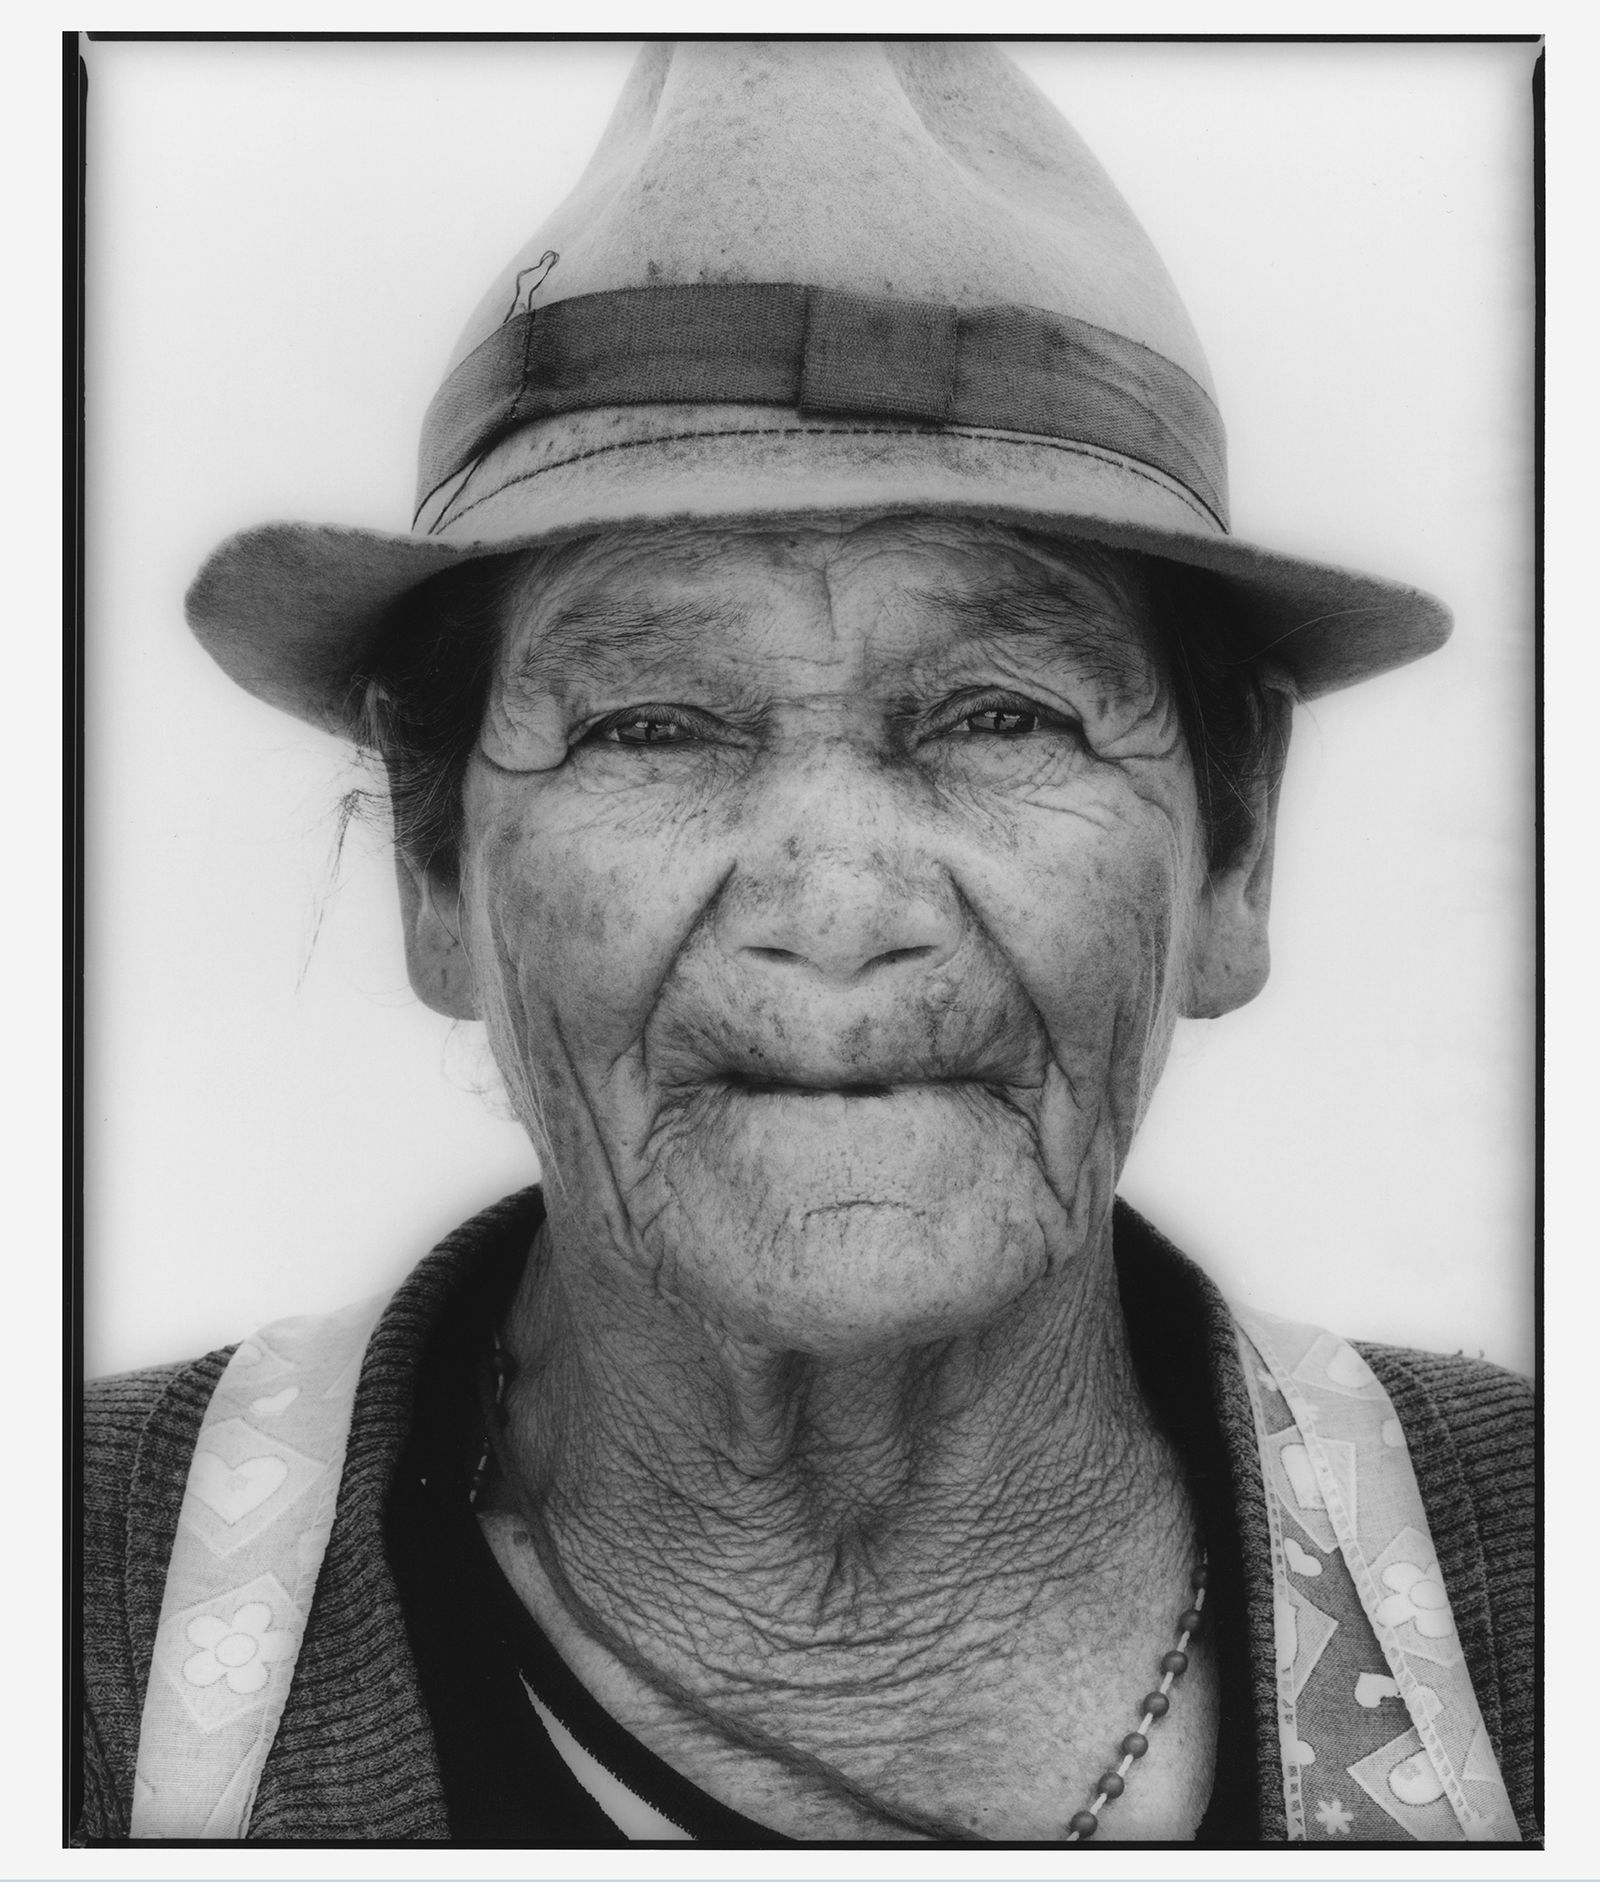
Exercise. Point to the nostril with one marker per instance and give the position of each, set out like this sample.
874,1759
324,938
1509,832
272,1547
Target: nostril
892,957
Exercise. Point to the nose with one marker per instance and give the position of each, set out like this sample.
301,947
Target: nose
838,886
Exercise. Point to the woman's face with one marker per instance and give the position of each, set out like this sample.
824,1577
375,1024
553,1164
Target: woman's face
830,895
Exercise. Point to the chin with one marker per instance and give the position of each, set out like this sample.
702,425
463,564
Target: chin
905,1222
850,1280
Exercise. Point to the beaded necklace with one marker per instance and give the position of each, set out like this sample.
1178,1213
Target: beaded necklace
1153,1707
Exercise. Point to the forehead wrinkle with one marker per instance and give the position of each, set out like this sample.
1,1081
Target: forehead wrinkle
602,640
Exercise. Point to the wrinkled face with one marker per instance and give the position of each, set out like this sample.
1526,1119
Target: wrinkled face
830,895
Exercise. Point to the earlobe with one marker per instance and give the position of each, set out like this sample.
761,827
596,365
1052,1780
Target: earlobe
437,963
1230,956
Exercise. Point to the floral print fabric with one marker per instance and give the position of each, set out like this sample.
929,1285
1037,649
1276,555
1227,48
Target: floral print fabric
1381,1736
257,1512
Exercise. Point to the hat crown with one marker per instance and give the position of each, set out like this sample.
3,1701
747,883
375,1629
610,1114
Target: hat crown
891,280
919,170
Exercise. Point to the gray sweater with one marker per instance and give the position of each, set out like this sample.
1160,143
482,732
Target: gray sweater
354,1758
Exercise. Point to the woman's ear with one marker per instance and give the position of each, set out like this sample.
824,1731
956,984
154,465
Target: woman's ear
1229,955
441,974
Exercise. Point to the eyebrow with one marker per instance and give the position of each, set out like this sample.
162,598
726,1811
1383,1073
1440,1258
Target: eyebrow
1094,627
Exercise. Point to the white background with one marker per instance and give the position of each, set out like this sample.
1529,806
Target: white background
284,242
30,1758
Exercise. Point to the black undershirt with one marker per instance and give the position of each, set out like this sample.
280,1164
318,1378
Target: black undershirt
506,1785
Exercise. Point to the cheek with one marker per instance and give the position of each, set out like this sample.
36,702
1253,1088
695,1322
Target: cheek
1099,914
572,929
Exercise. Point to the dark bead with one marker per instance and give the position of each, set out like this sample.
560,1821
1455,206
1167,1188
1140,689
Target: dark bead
1201,1577
1189,1621
1174,1662
1112,1785
1156,1704
1085,1823
1135,1745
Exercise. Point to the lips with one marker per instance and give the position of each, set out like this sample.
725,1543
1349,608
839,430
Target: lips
802,1107
775,1052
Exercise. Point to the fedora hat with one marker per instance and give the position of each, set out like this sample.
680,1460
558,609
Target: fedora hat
811,279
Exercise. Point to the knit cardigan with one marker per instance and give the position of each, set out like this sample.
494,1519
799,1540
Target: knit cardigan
354,1757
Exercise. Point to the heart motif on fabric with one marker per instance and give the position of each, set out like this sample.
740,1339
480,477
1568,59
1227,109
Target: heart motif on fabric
278,1402
232,1492
1373,1688
1300,1560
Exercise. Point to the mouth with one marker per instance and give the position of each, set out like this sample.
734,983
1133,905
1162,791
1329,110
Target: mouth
748,1085
964,1051
808,1097
831,1098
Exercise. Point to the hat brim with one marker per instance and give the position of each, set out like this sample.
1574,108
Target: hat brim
293,611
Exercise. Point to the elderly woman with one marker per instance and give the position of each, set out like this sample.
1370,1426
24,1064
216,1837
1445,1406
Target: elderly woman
832,738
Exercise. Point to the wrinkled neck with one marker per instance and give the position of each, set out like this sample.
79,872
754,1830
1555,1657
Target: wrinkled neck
827,1495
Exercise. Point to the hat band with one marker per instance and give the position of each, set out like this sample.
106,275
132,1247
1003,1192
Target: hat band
830,354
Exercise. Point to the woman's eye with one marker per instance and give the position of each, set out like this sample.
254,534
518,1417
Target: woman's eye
1000,722
641,729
